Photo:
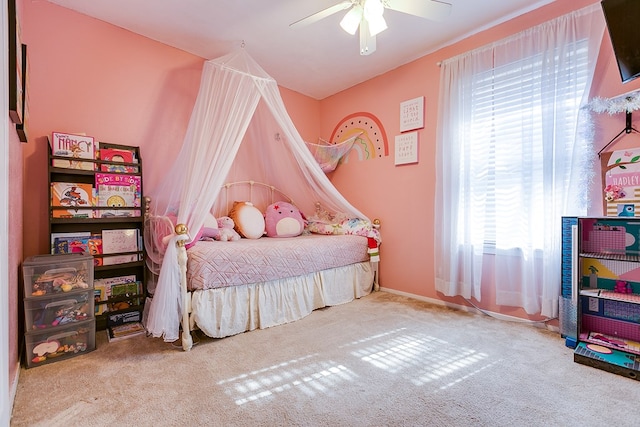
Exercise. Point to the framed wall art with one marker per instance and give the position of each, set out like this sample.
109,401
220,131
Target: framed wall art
15,64
22,127
406,148
412,114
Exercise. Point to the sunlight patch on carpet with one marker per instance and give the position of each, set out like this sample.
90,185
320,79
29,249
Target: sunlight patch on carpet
303,375
435,359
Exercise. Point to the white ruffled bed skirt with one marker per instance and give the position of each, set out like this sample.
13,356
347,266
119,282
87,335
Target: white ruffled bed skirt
228,311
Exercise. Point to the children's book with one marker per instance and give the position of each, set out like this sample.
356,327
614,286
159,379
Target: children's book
118,155
120,240
76,148
115,286
119,191
77,197
99,295
124,331
91,244
57,237
120,259
125,290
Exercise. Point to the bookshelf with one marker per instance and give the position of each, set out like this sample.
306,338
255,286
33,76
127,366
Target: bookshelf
79,218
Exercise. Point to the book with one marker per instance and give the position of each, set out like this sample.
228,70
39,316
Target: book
91,244
77,242
99,295
77,197
103,287
125,290
119,191
118,155
75,147
108,282
120,240
120,259
124,331
116,319
57,237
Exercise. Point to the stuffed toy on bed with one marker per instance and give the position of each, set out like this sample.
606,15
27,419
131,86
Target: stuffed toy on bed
249,222
283,219
225,231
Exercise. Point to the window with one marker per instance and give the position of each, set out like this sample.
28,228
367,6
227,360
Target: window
506,142
512,158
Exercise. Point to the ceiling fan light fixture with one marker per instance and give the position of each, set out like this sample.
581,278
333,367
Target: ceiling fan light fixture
373,8
373,11
352,19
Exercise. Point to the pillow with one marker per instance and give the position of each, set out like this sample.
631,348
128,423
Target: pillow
249,222
210,227
282,219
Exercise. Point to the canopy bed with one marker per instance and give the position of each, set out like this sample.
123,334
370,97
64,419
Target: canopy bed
240,134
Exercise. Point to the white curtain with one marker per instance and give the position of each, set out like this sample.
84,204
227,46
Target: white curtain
238,104
512,157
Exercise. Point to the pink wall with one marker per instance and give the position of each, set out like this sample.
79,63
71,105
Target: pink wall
92,77
15,250
16,206
304,112
403,196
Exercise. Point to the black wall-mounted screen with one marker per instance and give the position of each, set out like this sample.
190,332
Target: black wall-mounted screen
623,23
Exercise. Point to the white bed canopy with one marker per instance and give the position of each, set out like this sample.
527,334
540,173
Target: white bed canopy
239,130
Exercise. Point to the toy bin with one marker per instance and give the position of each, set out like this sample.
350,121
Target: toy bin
53,345
58,310
46,275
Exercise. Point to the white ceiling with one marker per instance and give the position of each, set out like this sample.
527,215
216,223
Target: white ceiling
317,60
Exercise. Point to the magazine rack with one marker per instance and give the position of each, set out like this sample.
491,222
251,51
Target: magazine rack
80,220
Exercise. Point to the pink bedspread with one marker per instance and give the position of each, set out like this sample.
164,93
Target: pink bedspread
214,264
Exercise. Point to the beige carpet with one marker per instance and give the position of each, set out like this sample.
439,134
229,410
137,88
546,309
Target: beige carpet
384,360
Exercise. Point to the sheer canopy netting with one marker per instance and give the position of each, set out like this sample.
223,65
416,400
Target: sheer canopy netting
239,130
328,155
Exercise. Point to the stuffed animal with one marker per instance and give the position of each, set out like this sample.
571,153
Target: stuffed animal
225,231
248,220
282,219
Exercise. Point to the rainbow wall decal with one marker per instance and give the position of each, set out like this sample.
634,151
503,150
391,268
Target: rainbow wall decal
371,144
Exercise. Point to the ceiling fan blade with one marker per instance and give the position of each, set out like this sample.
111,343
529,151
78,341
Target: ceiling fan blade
433,10
322,14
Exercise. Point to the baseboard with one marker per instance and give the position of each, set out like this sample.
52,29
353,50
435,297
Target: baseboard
470,309
13,389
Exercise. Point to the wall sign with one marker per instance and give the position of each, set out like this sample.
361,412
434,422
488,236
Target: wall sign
412,114
406,148
621,182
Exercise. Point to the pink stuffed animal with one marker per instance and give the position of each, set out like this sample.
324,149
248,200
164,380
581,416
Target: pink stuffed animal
283,219
225,231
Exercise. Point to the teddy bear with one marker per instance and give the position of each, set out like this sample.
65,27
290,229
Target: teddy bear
225,231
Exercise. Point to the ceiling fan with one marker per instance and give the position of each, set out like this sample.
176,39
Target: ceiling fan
367,15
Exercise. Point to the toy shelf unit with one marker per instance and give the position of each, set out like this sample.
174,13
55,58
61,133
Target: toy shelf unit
608,323
96,207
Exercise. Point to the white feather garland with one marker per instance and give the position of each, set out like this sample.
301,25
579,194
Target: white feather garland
619,104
